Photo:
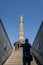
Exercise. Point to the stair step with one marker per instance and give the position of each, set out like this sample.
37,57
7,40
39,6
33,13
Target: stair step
16,58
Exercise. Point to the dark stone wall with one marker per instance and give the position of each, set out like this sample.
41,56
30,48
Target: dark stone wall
5,45
37,47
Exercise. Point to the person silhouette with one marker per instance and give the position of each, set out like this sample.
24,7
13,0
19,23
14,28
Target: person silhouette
26,52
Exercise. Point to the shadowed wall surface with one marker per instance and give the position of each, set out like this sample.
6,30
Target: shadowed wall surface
5,45
37,47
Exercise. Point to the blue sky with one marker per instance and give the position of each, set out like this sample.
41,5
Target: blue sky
32,12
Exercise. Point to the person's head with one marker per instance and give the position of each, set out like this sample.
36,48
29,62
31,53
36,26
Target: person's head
26,40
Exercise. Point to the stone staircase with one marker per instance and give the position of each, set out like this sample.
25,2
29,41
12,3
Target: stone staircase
16,58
